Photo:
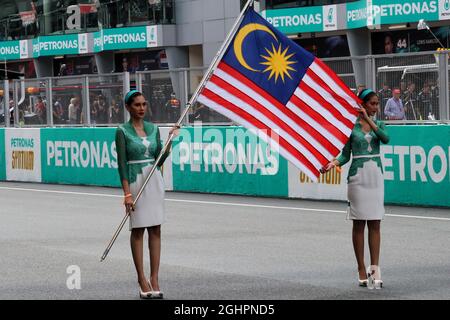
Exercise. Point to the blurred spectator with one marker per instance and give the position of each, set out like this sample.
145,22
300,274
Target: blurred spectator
115,114
154,11
424,100
394,107
360,88
63,70
410,102
125,66
201,113
173,108
74,111
58,112
94,111
384,94
12,105
434,97
403,87
102,115
40,110
21,118
111,10
168,11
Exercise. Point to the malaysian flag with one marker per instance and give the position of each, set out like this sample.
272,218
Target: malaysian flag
292,100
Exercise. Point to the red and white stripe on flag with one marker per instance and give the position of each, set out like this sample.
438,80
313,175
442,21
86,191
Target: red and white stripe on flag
309,131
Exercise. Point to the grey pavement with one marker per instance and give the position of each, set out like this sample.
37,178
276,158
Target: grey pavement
214,247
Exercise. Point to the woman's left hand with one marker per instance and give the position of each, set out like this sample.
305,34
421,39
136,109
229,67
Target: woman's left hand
363,113
174,130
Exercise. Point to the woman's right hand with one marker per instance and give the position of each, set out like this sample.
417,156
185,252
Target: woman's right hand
128,202
328,167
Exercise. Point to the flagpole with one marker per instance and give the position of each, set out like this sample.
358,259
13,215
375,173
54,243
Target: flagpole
192,100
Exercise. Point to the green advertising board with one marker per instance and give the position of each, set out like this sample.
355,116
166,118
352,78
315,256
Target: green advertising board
2,155
417,165
402,11
98,41
55,45
293,20
79,156
358,14
10,50
227,160
124,38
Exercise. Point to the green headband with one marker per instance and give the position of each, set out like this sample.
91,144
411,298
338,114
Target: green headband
364,93
129,94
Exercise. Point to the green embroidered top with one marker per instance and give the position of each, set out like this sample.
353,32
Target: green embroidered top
131,147
363,144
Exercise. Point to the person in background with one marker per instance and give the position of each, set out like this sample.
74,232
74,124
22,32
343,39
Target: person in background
169,11
94,111
115,114
173,108
125,66
403,86
410,102
384,94
62,70
102,116
12,106
360,88
424,100
41,111
74,111
58,112
434,88
201,113
394,109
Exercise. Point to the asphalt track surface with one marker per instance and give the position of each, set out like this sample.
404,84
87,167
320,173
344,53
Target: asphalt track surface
214,247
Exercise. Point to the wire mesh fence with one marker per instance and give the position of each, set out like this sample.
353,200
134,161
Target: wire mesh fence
69,101
421,80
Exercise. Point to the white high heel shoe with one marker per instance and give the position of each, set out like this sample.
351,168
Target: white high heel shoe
144,295
362,283
155,294
374,277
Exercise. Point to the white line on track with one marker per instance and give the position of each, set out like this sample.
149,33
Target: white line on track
218,203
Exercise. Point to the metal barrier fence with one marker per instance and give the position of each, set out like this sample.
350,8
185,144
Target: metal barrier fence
422,78
89,100
168,91
97,100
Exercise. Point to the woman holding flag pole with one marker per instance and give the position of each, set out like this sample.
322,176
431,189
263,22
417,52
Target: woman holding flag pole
138,144
365,186
134,129
135,103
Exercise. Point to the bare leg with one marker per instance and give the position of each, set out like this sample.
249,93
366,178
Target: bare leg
358,246
374,241
137,244
154,245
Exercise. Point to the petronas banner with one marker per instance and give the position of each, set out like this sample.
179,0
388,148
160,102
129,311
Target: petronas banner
356,14
231,160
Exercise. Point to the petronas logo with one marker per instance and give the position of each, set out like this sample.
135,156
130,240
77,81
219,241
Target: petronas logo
330,15
447,5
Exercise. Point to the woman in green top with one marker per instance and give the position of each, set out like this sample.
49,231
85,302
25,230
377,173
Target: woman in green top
138,145
365,185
